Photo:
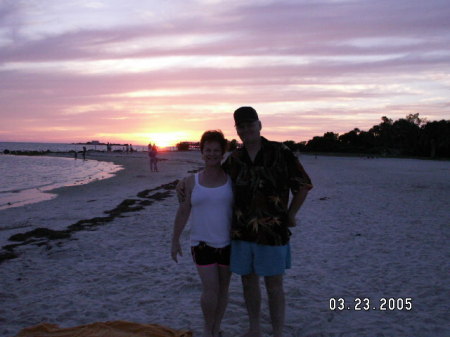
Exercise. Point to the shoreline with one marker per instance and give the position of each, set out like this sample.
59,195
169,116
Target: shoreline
128,195
76,172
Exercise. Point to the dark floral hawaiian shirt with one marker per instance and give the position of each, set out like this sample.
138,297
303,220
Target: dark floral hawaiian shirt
261,192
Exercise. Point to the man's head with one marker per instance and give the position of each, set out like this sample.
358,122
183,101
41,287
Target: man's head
245,114
247,123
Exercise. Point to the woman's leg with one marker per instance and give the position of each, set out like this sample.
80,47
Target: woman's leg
209,275
222,301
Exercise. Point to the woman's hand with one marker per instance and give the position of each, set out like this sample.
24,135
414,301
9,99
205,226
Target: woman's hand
176,250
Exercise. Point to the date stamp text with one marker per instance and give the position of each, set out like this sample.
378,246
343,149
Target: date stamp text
367,304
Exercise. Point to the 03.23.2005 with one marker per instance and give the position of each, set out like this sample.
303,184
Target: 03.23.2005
366,304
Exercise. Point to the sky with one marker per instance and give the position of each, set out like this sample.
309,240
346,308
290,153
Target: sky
167,70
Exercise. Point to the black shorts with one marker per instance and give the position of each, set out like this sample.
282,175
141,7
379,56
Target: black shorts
205,255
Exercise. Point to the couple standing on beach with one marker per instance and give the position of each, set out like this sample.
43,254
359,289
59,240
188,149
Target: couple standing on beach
240,219
152,152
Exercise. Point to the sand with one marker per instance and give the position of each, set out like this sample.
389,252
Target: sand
371,228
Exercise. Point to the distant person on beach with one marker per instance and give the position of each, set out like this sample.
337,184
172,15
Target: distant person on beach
84,152
263,174
150,156
153,152
208,201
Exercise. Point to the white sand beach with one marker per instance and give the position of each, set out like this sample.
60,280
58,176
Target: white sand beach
370,228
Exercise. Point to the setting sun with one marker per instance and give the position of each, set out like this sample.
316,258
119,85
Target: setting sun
163,139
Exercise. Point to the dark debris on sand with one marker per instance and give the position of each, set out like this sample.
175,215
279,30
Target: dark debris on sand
43,236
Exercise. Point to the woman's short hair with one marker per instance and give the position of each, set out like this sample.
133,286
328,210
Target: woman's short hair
214,136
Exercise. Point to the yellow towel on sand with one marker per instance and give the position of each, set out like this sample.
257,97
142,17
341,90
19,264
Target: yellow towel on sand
103,329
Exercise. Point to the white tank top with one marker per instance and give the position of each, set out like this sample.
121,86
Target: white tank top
211,214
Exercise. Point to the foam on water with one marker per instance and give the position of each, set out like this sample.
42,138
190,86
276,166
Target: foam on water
27,179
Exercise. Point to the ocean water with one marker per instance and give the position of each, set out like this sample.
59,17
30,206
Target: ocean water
27,179
58,147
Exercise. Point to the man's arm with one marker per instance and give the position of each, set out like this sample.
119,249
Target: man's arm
296,203
181,190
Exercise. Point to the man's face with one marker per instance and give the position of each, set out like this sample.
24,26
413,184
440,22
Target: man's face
249,131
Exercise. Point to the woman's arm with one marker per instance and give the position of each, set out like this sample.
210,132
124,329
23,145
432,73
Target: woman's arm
183,212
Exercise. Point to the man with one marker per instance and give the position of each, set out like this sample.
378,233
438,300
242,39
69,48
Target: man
263,173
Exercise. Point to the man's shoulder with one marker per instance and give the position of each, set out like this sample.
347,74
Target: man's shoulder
237,153
275,146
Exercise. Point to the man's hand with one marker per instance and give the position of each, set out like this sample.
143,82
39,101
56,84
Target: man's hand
291,221
296,203
176,250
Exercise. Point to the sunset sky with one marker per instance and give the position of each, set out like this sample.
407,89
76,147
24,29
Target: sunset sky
137,71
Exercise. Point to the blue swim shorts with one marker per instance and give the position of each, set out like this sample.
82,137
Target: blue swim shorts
252,258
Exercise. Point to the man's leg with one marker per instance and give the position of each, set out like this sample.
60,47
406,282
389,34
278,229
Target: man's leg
275,294
252,297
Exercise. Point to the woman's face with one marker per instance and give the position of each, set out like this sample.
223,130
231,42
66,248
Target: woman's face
212,153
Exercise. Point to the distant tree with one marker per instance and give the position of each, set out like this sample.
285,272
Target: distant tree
412,136
382,134
405,134
350,137
331,137
291,145
301,146
367,141
183,146
328,143
350,141
415,119
435,139
232,145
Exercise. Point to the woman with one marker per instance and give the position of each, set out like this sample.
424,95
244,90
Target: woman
209,202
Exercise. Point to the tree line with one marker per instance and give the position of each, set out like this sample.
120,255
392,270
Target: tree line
410,136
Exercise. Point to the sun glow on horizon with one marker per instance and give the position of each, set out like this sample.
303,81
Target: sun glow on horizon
163,139
145,72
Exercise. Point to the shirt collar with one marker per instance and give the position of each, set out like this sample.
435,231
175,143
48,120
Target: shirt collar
264,143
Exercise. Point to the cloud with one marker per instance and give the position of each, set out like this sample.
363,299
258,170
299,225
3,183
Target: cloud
317,65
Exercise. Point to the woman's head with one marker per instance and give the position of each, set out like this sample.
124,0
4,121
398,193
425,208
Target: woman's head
211,136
